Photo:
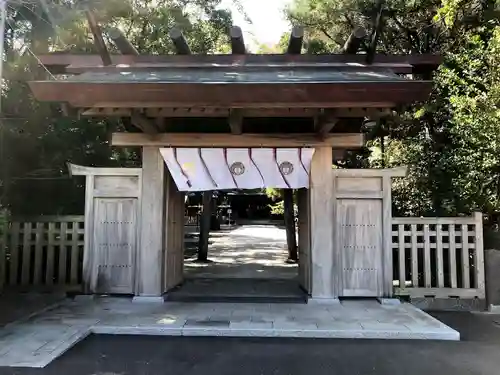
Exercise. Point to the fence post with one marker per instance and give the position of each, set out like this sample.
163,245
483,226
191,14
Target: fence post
479,253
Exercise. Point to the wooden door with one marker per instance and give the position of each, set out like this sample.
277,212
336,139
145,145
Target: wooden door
359,225
114,245
304,240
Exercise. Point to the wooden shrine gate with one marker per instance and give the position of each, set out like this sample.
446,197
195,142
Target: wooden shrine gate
359,235
242,101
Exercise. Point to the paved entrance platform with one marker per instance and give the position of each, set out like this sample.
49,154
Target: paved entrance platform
38,341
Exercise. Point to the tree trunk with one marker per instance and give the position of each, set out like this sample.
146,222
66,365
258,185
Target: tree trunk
291,240
205,226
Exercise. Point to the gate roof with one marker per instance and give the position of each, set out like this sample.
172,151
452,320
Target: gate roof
319,94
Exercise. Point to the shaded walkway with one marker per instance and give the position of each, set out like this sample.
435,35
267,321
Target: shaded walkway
247,263
246,252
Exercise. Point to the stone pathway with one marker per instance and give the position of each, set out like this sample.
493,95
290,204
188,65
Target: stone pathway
38,341
247,252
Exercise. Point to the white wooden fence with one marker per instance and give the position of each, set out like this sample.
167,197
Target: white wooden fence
438,257
42,253
433,257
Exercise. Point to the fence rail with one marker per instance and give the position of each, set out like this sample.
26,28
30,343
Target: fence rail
438,257
42,252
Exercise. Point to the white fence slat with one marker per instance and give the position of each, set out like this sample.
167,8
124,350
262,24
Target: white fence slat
439,257
25,272
51,237
453,256
63,252
74,254
402,260
427,257
37,270
14,253
414,255
479,252
465,258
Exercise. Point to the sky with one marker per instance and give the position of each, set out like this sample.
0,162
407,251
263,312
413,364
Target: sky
268,22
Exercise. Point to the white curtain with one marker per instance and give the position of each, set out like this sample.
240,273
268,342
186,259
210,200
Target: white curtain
201,169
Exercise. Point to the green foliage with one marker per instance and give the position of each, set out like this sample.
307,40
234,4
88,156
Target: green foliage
277,208
450,142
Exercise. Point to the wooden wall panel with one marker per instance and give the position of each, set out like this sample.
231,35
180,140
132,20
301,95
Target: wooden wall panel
359,184
112,183
359,226
114,245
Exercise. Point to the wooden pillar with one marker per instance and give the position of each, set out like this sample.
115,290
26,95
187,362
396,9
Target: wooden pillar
152,223
174,235
289,214
205,219
304,240
387,236
324,272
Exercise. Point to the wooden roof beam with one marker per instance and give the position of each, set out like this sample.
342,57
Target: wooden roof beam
325,122
180,42
338,141
296,40
98,39
354,41
163,112
236,120
142,122
237,41
122,43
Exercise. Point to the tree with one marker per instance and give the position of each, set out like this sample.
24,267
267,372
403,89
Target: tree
37,139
